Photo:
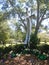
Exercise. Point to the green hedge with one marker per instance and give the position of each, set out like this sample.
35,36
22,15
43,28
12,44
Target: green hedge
44,48
17,48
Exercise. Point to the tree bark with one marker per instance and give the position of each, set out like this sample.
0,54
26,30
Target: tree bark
37,24
28,33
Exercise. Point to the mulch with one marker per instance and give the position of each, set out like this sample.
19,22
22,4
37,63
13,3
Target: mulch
26,59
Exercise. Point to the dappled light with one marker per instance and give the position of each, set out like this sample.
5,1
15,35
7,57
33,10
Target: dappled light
24,32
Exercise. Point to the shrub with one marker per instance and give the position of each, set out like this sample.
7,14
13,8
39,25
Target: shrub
7,49
26,51
44,48
1,53
18,48
34,40
1,49
42,57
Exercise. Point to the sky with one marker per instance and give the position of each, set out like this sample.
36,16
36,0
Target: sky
1,1
11,25
0,6
46,22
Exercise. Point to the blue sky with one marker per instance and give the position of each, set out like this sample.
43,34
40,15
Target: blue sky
1,1
46,22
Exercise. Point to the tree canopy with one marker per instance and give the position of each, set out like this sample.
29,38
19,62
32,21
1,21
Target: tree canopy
25,11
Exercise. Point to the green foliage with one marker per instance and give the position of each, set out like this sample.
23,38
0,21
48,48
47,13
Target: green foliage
36,53
34,40
1,17
26,51
4,51
3,37
43,37
7,49
44,48
24,36
18,48
1,49
13,55
42,57
19,35
4,32
1,52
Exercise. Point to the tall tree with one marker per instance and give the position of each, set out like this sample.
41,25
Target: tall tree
20,9
24,10
42,7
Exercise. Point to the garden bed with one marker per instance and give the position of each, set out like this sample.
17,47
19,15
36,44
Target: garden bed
27,59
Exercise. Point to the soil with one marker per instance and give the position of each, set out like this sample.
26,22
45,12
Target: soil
26,59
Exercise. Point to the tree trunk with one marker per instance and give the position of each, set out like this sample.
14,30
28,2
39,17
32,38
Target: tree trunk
36,30
28,33
39,21
37,24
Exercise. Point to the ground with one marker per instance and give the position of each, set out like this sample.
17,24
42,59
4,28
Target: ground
26,59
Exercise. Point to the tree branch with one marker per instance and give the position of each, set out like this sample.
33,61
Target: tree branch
37,11
42,16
